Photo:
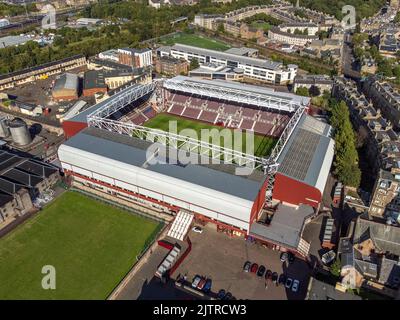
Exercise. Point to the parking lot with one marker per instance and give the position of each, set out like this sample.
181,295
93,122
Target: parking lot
220,258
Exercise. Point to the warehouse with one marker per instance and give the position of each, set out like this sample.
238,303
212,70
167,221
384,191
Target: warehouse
66,87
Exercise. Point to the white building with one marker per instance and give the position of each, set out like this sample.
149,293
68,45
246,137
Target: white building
311,28
290,38
259,69
138,58
111,55
4,23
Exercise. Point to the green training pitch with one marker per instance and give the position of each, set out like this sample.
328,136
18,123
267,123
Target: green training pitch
263,145
197,41
91,245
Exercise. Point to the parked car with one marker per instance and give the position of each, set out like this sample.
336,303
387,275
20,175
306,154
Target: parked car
221,294
275,278
197,229
247,266
254,268
261,271
207,286
282,279
295,286
201,283
268,275
288,283
228,296
196,281
328,257
284,256
291,257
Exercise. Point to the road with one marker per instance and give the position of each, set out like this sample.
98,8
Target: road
351,69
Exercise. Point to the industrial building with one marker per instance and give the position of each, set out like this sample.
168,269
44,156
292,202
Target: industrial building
111,153
66,87
21,181
254,68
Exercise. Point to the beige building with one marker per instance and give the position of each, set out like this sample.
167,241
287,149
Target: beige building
275,34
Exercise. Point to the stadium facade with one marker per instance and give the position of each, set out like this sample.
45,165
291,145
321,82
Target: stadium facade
108,151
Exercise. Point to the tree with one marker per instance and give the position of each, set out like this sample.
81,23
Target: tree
302,91
346,156
335,268
314,91
194,64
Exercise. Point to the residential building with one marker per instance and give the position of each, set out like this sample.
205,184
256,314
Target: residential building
171,66
16,78
385,201
386,97
138,58
371,260
276,34
243,30
310,29
319,290
322,82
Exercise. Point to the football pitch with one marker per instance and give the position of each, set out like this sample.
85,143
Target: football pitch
197,41
263,145
91,245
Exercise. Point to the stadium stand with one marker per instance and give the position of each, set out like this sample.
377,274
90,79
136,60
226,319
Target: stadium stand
228,114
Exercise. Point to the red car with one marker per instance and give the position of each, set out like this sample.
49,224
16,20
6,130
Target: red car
201,284
254,268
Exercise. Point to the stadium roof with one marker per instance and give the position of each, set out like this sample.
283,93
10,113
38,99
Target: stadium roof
268,64
308,154
238,92
133,151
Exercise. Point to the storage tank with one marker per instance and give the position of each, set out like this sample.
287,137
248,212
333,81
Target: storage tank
19,132
4,130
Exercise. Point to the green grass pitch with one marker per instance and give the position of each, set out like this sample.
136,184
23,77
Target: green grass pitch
263,145
197,41
91,245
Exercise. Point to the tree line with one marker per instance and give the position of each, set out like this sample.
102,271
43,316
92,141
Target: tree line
346,157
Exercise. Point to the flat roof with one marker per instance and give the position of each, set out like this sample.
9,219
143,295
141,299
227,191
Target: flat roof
9,41
94,79
242,51
268,64
132,151
286,225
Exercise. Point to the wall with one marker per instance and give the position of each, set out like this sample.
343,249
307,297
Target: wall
295,192
71,128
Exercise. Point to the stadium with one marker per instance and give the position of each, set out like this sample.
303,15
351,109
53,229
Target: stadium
112,146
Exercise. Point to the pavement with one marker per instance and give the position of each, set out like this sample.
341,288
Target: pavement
221,258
